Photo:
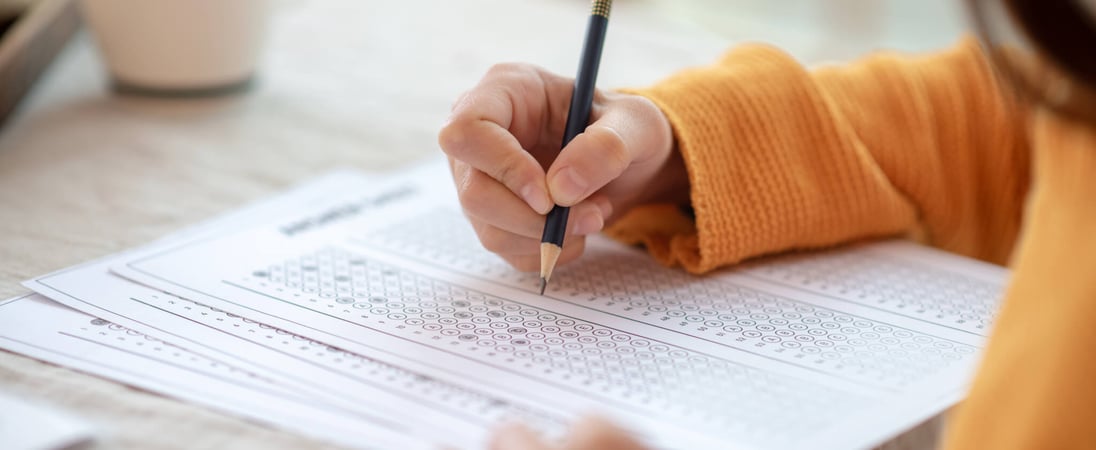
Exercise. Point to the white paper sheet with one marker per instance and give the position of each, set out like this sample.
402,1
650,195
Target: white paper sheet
349,407
28,425
836,350
37,327
431,409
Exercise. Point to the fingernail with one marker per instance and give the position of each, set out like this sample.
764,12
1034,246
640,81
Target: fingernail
536,198
588,224
568,186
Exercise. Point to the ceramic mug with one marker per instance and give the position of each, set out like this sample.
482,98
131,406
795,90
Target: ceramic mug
179,47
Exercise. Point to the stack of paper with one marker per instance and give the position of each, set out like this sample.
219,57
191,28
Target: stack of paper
25,425
364,312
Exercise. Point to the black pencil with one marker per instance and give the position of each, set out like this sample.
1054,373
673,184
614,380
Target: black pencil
578,117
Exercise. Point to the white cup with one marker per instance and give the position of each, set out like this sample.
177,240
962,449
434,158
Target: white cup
179,47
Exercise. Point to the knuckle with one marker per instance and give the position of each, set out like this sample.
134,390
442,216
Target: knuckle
506,68
612,147
603,97
637,104
463,99
451,137
642,109
512,77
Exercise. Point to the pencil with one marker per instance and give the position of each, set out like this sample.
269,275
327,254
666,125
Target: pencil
578,117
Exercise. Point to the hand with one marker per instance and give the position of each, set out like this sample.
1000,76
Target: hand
587,434
502,134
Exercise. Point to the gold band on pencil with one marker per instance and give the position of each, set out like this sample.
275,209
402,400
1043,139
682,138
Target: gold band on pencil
601,8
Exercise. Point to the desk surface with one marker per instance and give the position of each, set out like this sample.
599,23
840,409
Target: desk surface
354,83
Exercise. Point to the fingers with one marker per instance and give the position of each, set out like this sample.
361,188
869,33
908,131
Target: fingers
486,200
591,433
488,125
516,437
572,250
620,138
597,433
502,242
583,220
508,227
592,160
492,150
523,253
504,191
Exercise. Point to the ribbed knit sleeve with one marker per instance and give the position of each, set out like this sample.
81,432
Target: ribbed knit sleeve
782,158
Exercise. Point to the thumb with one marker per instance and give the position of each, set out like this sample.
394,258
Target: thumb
594,158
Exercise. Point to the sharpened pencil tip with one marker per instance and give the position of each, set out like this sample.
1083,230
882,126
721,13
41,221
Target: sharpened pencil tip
549,253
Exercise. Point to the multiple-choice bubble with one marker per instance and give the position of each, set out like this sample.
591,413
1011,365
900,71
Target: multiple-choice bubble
423,389
632,286
532,340
742,317
116,336
902,287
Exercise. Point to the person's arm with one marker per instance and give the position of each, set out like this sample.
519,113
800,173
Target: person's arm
783,158
1035,387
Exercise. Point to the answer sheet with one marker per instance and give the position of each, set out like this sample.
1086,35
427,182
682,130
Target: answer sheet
432,411
176,371
840,349
28,425
37,327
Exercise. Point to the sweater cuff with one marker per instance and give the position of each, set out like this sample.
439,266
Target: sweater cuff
772,167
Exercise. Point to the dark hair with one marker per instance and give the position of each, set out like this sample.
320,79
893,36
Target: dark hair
1063,30
1061,39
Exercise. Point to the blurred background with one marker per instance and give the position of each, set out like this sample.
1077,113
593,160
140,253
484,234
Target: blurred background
359,83
345,60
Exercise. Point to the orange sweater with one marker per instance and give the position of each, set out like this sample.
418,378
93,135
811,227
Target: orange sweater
783,158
